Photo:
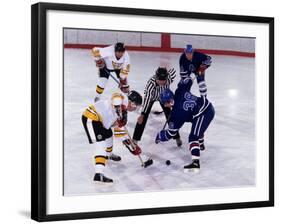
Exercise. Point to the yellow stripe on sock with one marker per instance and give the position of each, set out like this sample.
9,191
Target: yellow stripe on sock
100,160
99,89
109,149
120,135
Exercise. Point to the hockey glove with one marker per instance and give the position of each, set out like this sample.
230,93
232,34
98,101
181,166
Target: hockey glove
124,87
134,149
137,150
122,121
161,137
201,69
100,63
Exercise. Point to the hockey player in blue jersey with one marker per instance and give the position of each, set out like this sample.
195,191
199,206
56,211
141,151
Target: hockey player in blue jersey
187,108
192,61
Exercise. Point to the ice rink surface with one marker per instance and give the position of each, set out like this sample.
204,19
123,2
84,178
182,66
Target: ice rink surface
228,161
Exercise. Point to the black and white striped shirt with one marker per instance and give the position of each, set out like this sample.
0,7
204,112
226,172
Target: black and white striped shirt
152,90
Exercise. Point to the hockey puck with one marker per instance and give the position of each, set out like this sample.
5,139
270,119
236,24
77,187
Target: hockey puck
168,162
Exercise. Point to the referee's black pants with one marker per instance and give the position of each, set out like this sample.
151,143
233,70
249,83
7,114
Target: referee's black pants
140,127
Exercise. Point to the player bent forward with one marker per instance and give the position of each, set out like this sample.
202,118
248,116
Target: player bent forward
187,108
113,58
102,116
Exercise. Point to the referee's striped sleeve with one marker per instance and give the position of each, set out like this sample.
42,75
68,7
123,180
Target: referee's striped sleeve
172,75
148,95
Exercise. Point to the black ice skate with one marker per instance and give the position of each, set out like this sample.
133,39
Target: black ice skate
100,178
114,157
202,147
179,142
192,167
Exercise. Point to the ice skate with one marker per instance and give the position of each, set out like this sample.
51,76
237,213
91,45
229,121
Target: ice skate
100,178
113,157
193,167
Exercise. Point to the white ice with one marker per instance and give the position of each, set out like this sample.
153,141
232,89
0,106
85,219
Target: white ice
229,158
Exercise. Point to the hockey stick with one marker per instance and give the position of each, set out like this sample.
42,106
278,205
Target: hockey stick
114,78
143,164
149,161
166,123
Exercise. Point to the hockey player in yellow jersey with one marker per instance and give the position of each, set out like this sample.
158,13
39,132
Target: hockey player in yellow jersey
113,58
100,118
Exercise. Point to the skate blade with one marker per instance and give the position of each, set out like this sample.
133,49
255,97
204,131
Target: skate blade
100,183
193,170
114,160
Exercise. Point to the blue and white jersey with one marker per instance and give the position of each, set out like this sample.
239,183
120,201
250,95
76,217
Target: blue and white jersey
186,107
188,67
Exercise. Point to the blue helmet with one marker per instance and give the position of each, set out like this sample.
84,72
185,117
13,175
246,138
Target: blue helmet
166,96
188,48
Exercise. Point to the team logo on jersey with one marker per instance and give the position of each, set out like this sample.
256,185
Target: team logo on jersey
116,65
191,68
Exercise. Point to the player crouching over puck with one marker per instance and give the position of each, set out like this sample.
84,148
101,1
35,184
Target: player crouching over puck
101,117
187,108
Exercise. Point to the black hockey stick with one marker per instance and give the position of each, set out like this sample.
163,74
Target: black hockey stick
114,78
149,161
167,121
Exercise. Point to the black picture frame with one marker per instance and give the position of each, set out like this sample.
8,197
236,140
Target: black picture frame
39,106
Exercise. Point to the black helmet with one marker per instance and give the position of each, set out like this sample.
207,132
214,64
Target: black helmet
135,97
161,73
119,46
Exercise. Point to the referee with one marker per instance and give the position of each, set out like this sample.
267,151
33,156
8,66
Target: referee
155,85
